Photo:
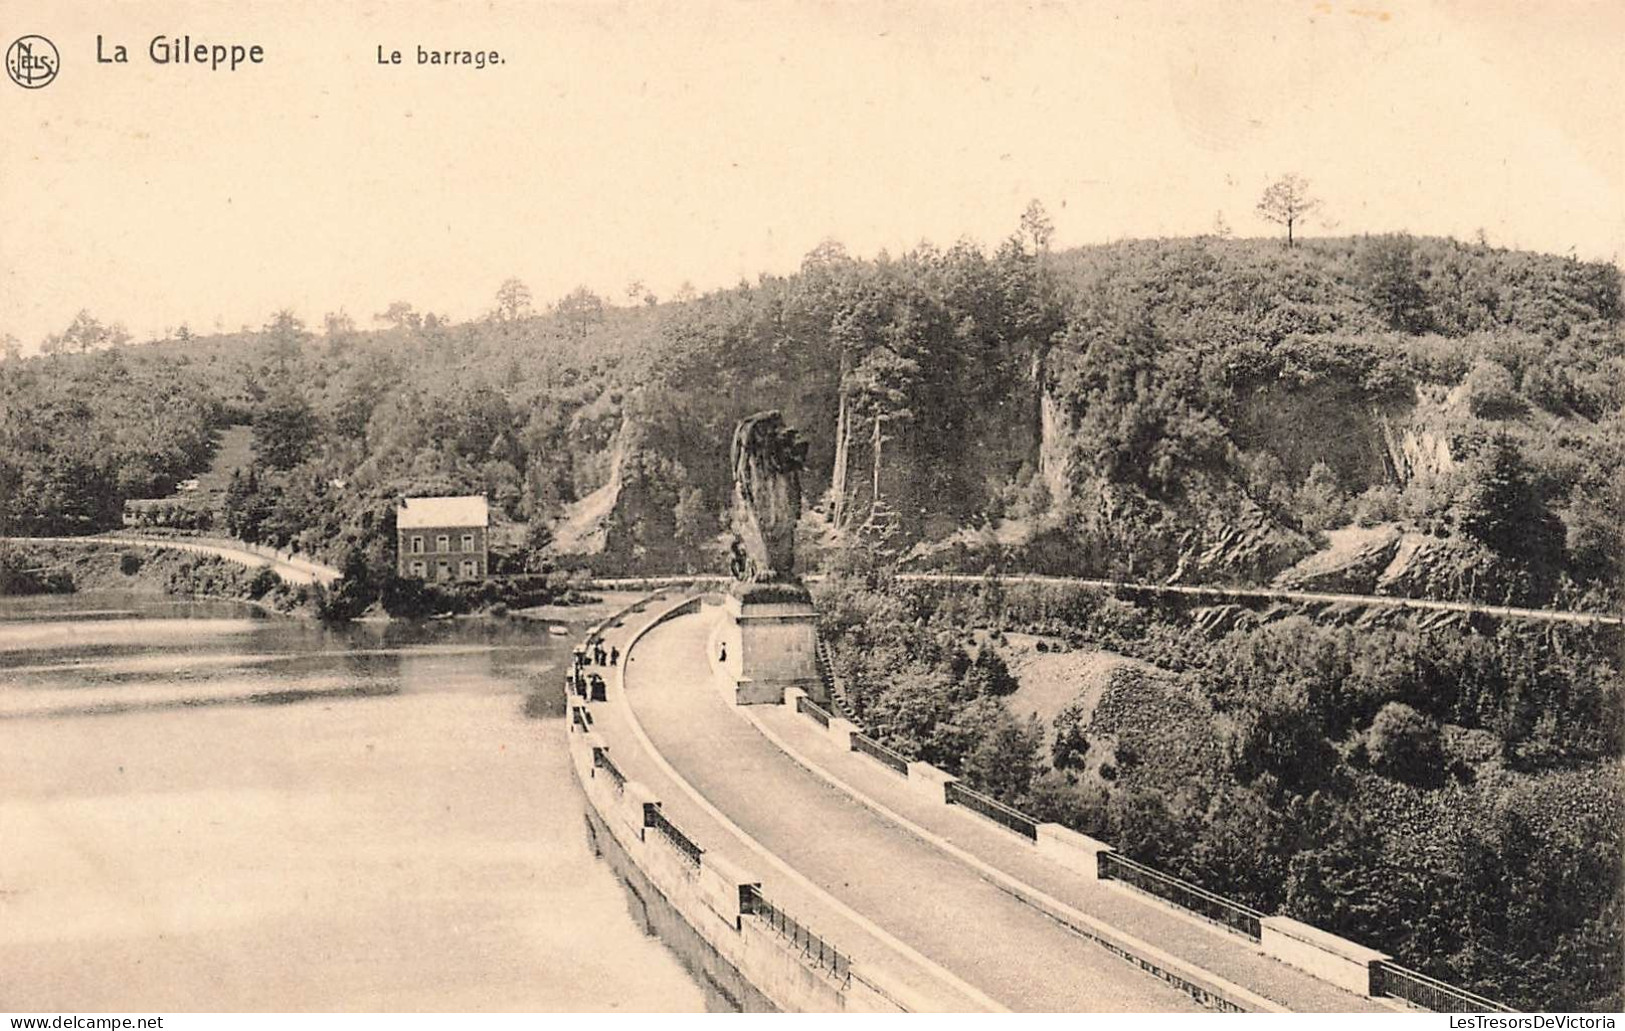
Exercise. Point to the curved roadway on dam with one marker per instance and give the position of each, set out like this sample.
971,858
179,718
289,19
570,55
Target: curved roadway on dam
942,908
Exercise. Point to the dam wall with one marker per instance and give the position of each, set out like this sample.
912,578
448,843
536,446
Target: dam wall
760,955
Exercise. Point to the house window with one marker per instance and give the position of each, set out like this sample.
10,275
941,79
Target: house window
470,567
442,569
442,543
468,542
418,569
417,545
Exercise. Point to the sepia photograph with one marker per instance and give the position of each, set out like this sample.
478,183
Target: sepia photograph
708,506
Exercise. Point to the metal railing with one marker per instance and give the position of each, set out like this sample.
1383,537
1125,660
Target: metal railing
834,688
826,669
1222,911
1429,992
820,952
811,708
875,750
992,808
601,761
656,820
581,717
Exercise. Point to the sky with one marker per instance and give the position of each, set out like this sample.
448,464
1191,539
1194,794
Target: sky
705,142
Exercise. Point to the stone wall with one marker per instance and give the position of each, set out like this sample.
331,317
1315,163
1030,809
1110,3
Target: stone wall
707,894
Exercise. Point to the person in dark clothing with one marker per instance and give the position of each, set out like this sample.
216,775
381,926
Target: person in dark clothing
614,656
723,654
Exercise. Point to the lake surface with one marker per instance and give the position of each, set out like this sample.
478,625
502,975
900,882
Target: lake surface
205,808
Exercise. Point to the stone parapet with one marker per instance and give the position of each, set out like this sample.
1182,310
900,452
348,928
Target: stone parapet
1077,852
841,732
930,781
721,885
1328,957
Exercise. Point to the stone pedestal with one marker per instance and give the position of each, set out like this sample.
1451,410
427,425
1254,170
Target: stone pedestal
778,644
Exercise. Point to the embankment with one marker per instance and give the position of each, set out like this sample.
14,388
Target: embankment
60,567
758,955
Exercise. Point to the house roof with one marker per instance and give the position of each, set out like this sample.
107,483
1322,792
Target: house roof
418,513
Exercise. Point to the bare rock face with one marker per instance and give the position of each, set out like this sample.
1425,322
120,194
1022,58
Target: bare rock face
1351,562
768,457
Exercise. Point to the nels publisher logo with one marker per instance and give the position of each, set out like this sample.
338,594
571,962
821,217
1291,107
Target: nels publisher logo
32,62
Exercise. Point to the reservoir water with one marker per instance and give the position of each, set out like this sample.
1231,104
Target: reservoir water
205,808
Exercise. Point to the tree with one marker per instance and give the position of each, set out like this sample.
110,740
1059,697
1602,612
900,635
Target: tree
401,315
1279,732
1491,391
881,385
284,428
283,335
355,591
10,347
84,332
853,328
513,300
1390,270
580,310
1287,202
1337,882
1503,505
338,324
246,506
1007,757
366,383
1036,226
991,674
1321,501
638,292
1405,744
538,544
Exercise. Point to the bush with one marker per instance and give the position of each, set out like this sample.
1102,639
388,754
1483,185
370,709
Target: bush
263,582
1321,500
1379,504
1404,744
1491,393
990,674
129,563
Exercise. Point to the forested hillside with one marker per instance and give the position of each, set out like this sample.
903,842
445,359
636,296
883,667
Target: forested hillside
1190,409
1450,793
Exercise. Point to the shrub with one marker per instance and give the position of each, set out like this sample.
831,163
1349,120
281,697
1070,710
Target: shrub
1379,504
263,582
129,563
1321,500
1491,393
1404,744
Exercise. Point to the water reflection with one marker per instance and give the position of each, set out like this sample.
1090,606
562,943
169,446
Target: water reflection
206,808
